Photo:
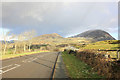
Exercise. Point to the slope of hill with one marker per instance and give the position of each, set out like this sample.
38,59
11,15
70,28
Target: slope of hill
56,39
48,36
98,35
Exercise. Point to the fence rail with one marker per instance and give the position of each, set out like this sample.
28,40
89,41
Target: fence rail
117,52
107,50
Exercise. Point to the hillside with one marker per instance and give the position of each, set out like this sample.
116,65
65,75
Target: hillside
98,35
48,36
56,39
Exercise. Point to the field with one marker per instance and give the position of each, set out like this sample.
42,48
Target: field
106,45
46,43
103,45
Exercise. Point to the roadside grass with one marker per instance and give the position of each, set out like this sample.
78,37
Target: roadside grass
21,54
77,68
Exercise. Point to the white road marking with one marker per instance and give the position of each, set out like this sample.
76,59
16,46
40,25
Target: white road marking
16,65
6,66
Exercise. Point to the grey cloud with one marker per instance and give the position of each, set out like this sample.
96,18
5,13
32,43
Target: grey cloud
62,18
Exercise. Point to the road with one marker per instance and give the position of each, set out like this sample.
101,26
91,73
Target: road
38,65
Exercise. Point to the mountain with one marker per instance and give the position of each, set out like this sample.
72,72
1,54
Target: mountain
98,35
11,41
56,39
49,39
50,36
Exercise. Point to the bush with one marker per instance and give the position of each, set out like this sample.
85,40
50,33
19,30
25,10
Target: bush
98,61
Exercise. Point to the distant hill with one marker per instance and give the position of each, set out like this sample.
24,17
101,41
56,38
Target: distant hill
98,35
56,39
11,41
50,36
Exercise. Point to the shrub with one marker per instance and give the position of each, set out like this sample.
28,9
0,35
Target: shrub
101,64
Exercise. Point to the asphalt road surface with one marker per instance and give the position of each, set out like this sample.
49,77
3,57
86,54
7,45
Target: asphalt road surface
38,65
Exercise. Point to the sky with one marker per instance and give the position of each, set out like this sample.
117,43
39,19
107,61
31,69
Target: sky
65,18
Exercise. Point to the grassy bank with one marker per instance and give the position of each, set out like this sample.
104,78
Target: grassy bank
107,44
20,54
77,68
103,45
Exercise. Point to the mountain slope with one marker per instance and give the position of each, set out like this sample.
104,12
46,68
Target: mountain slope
50,36
98,35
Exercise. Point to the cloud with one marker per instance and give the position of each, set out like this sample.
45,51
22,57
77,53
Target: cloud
59,17
3,32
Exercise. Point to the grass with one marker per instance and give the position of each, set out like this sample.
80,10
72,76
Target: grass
77,68
101,46
20,54
108,44
104,45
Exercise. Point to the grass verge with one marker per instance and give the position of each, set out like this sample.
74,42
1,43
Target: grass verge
20,54
77,68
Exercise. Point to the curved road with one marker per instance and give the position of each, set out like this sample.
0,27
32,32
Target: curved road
38,65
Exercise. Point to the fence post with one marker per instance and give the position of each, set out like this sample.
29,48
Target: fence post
118,57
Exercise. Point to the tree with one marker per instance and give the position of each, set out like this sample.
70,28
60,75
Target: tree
5,42
20,40
24,38
15,42
31,34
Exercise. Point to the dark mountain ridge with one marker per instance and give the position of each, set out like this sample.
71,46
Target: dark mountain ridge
98,35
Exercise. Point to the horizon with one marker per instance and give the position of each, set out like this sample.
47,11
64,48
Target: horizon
55,33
